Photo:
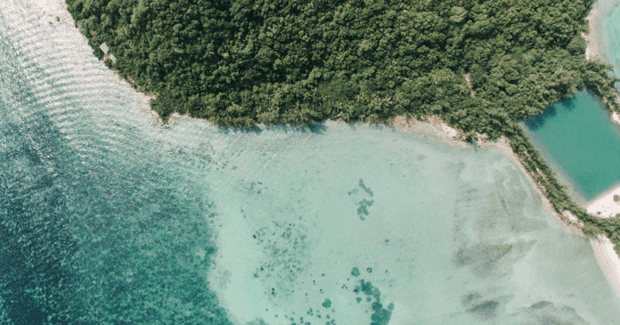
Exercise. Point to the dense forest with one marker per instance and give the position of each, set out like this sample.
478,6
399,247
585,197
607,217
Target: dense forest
241,63
480,65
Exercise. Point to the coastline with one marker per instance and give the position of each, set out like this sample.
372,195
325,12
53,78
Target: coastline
608,204
608,261
433,127
566,220
436,128
603,248
55,13
615,118
592,49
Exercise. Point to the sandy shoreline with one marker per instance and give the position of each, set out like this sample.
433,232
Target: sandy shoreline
608,204
605,206
604,252
434,127
615,117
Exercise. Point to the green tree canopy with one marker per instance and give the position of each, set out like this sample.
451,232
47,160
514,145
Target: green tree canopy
243,62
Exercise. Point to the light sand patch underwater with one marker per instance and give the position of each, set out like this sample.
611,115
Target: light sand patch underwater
366,226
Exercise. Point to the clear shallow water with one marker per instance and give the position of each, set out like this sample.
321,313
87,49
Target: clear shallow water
108,217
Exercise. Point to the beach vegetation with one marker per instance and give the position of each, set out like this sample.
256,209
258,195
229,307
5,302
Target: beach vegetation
481,66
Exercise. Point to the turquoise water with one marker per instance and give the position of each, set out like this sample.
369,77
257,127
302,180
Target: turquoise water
577,136
108,217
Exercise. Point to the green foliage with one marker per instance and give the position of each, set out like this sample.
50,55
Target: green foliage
243,62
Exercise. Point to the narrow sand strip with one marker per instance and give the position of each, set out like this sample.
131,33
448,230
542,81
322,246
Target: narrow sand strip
592,49
608,260
566,220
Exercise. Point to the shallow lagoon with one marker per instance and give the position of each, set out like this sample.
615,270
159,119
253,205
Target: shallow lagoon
578,138
117,218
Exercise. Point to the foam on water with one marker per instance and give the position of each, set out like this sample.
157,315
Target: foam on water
110,217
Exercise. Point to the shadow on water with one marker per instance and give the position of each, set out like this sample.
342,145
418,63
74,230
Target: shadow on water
317,128
536,122
91,235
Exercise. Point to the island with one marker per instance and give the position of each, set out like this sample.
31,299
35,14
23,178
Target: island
480,67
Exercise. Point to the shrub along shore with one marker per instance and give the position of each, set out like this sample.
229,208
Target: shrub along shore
481,66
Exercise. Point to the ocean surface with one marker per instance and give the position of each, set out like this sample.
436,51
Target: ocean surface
609,33
109,217
576,135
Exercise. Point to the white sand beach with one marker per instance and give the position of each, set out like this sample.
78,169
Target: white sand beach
615,118
432,127
608,260
592,50
607,205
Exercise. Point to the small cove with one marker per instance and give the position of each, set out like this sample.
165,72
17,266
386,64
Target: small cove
577,137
